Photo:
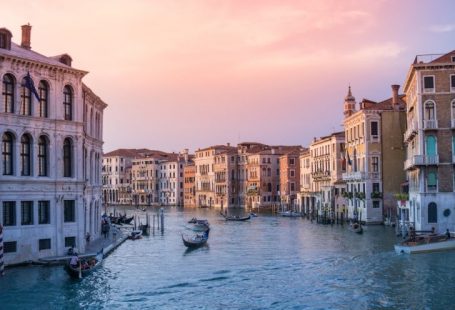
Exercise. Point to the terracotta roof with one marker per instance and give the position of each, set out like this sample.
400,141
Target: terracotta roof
367,104
127,153
444,58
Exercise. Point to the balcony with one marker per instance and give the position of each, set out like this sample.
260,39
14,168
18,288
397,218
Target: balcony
351,176
411,131
421,160
430,124
320,174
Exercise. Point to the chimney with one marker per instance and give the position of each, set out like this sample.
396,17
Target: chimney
395,89
228,144
26,33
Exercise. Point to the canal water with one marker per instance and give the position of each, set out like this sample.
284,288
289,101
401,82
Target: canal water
268,262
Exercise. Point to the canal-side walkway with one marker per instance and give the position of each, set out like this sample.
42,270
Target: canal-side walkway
116,236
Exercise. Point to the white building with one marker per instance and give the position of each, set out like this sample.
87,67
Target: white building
50,172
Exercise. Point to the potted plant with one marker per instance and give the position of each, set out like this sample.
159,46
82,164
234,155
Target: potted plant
376,195
360,195
402,197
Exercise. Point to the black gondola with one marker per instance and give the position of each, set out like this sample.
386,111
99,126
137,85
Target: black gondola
235,218
356,227
91,264
196,240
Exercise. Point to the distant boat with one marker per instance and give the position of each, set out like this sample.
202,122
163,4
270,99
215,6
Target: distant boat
135,234
356,227
426,243
85,266
196,240
235,218
290,214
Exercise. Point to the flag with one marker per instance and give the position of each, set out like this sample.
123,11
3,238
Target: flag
30,85
349,159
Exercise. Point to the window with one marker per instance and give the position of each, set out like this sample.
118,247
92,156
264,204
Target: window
68,103
376,204
432,213
452,83
67,158
44,244
69,211
291,161
10,247
428,83
376,188
26,99
26,212
292,173
429,110
70,242
9,213
430,145
431,181
8,93
42,156
292,186
375,163
374,130
44,213
7,153
25,155
43,90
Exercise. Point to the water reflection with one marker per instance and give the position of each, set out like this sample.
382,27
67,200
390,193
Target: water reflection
267,262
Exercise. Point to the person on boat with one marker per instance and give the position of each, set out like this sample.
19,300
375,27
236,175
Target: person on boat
74,261
448,233
85,265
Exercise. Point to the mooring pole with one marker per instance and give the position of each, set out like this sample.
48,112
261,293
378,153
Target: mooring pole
2,265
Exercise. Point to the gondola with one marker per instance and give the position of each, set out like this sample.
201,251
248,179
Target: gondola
135,234
356,227
199,225
196,240
80,272
237,218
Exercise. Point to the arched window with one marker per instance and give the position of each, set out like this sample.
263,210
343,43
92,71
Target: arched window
429,110
8,93
7,153
42,156
26,147
430,143
432,213
26,99
68,103
67,158
43,89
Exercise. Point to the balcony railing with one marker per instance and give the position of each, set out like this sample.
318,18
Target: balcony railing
420,160
357,175
430,124
411,131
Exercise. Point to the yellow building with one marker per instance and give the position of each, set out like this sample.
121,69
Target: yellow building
374,153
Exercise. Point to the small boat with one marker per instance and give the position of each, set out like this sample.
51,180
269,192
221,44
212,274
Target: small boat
126,220
425,243
253,214
237,218
290,214
135,234
192,221
85,266
198,225
356,227
196,240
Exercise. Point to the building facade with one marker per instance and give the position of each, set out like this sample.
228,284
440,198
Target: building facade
430,142
50,175
374,151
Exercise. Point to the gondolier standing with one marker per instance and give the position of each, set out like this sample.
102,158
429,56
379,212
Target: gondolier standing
2,266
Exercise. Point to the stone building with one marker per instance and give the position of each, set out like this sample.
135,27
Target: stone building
430,142
189,185
374,153
116,175
327,165
50,173
306,197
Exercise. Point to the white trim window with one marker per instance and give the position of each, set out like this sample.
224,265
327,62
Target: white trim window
452,83
428,84
374,130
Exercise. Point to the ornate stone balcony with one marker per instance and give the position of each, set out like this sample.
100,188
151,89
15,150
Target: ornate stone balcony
351,176
430,124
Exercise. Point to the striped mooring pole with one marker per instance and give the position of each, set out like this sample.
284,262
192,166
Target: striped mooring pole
2,265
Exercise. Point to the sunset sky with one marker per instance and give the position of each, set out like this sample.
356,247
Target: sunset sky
189,74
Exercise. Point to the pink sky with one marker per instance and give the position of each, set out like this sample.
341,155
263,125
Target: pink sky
189,74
